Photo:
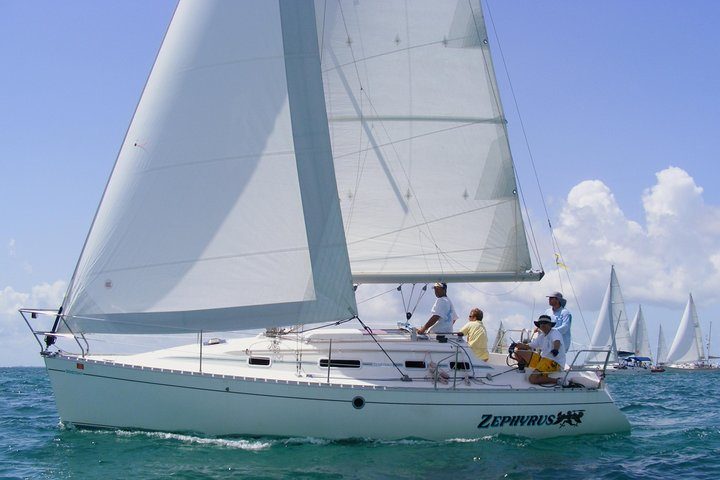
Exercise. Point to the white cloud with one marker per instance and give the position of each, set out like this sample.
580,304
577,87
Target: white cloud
11,301
11,247
677,252
675,201
20,347
45,295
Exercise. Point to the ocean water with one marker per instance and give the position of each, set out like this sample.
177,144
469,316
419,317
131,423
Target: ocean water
675,434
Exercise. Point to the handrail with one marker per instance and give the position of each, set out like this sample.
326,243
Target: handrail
458,347
573,368
43,350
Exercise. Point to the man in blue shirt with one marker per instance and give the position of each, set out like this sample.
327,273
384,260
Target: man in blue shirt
561,316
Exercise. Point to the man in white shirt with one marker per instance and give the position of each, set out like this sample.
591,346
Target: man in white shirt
443,313
552,352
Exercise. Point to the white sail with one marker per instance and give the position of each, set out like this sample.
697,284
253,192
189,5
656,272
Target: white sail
662,350
611,329
500,345
639,335
687,347
425,176
221,212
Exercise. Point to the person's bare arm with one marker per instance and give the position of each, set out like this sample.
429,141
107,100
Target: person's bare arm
433,320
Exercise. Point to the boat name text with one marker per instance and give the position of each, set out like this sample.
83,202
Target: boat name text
571,417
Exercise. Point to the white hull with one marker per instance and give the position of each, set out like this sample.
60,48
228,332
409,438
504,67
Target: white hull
627,371
691,369
109,394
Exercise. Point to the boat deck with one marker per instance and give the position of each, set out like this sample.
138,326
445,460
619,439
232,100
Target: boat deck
339,357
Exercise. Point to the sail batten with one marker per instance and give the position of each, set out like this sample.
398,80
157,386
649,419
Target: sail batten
391,277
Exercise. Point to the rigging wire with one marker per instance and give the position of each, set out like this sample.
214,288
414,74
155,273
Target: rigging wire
555,243
376,296
406,305
403,376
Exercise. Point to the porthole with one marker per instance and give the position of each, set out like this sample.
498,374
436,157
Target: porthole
358,402
460,366
415,364
339,363
261,361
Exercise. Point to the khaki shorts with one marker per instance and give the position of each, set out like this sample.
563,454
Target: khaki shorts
542,364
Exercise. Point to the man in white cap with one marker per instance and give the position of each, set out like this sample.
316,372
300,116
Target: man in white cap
443,313
561,316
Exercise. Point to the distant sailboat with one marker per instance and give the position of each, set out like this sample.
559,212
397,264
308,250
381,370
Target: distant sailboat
639,335
500,345
642,360
687,353
661,353
612,331
292,149
504,337
662,350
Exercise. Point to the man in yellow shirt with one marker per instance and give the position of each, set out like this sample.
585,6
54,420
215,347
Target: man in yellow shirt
475,334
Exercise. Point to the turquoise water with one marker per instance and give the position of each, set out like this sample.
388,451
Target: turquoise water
675,433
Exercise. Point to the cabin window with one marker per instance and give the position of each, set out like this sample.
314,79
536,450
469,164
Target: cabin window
459,366
415,364
259,361
339,363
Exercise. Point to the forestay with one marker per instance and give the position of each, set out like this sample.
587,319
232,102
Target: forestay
425,176
221,212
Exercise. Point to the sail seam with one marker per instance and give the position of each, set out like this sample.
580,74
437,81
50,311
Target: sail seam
208,259
428,222
406,139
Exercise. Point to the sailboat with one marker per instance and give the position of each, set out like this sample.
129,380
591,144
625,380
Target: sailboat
504,337
282,153
612,331
501,343
686,352
641,342
662,350
661,353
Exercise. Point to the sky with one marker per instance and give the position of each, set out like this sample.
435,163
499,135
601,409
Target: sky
620,111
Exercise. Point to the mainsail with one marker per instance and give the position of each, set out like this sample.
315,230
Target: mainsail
687,347
221,212
611,329
639,335
424,171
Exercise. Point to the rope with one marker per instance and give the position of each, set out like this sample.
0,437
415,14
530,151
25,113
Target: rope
334,324
375,296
